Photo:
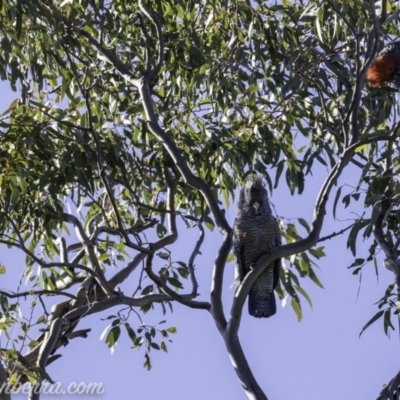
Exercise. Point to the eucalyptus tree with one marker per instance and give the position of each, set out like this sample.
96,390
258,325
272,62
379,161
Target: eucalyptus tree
137,119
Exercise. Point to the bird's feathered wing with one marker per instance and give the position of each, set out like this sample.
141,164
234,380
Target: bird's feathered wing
393,49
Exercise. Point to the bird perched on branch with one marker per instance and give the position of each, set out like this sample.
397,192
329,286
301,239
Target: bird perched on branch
256,232
386,67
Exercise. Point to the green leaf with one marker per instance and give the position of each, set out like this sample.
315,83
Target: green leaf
204,68
148,289
297,308
304,264
209,223
304,294
175,282
113,336
164,347
314,278
304,224
161,231
337,197
15,195
147,364
318,21
387,323
230,258
155,346
164,256
252,89
183,272
372,320
103,257
317,252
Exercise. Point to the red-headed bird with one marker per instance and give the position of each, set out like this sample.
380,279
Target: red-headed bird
386,67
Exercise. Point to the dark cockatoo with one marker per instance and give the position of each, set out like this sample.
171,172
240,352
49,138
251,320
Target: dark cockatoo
385,67
255,233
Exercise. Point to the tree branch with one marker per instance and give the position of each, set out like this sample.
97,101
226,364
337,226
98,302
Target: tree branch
390,390
179,160
193,256
334,234
144,90
151,74
242,368
185,300
36,292
89,250
50,339
89,309
217,309
372,41
119,277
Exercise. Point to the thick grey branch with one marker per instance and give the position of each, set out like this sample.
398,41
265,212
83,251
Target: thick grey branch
242,369
34,392
389,392
160,56
180,161
63,249
49,341
392,17
89,250
74,265
217,309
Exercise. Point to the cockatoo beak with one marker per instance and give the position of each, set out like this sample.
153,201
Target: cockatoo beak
256,206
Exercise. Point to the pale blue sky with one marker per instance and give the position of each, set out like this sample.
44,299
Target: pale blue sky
321,358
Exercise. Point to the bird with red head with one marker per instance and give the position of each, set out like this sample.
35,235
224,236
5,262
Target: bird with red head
386,67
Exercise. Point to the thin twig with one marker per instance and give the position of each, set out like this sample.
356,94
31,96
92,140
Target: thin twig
194,254
185,300
334,234
36,292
